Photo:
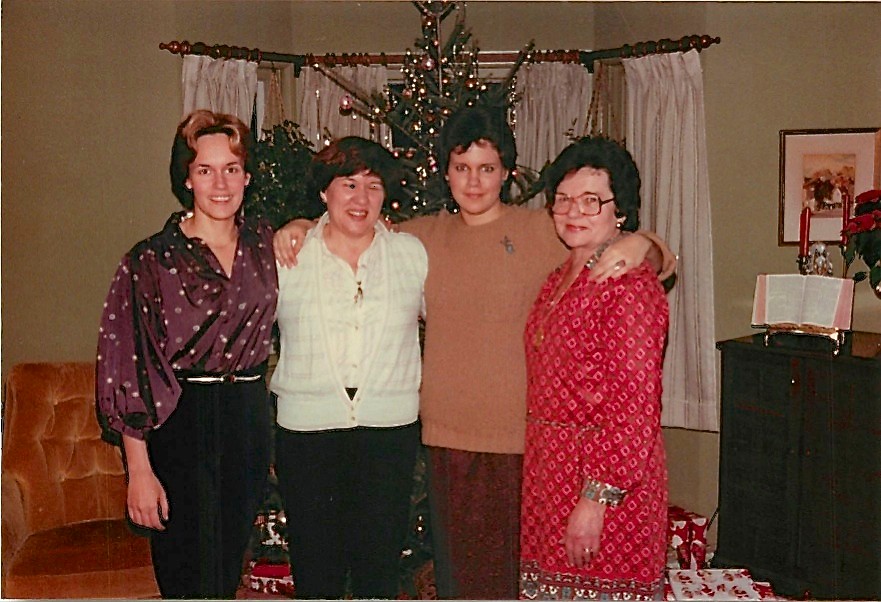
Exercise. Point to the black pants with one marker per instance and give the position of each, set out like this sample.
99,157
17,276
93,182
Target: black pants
212,457
347,501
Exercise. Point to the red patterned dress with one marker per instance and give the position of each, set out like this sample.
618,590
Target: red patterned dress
594,406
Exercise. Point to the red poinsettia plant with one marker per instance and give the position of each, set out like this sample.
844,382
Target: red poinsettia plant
863,235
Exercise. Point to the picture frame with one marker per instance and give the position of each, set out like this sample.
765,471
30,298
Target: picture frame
816,167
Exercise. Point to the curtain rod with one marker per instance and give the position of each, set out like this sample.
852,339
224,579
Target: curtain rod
585,57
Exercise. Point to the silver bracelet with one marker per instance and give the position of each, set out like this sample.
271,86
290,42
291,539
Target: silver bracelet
602,493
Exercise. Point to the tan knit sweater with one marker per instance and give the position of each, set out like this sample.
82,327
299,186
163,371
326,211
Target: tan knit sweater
482,281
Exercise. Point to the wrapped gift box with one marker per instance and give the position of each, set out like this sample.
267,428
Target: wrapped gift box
687,537
271,578
716,584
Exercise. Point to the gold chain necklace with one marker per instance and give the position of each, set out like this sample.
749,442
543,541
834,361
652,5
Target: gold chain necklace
539,336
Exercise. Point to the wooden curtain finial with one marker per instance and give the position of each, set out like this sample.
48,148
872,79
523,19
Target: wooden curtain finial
175,47
217,51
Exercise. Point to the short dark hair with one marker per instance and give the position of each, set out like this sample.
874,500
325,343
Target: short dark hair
609,156
474,124
183,151
353,155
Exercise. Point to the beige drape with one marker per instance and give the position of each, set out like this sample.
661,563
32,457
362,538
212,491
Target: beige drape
319,104
553,106
221,85
666,135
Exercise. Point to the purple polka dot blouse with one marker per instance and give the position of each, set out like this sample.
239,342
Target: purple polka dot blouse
171,307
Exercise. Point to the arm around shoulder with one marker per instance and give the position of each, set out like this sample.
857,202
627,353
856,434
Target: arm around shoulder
660,255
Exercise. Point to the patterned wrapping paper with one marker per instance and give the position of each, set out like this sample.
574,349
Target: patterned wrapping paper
687,535
716,584
712,584
268,578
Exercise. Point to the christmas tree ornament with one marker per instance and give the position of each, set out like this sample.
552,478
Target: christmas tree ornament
346,104
427,63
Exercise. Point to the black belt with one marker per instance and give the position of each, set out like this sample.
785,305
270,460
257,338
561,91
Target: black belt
221,378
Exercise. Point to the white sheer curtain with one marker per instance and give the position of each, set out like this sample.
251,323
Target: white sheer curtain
319,103
666,135
555,99
221,85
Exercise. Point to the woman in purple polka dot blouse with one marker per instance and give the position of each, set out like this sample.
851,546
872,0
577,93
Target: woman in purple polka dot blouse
182,352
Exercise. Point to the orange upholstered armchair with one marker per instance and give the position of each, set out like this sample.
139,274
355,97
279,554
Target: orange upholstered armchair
64,529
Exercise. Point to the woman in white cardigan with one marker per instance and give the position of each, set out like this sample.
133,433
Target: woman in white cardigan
348,380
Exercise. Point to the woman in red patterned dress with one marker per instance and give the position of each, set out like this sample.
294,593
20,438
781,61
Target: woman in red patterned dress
594,507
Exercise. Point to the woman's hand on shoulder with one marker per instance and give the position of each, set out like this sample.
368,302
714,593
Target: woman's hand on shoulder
622,256
288,241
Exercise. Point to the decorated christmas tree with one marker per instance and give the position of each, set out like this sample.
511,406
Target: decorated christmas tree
441,76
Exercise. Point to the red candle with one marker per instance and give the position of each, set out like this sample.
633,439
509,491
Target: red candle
846,204
804,232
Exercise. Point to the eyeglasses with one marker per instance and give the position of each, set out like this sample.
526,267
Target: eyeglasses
588,203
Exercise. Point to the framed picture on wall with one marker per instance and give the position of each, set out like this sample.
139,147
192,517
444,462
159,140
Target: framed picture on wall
820,169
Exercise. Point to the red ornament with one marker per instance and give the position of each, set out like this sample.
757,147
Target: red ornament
346,104
427,63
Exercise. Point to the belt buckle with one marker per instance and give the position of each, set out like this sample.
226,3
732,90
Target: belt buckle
229,378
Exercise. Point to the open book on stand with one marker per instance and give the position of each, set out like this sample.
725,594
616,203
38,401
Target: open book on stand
803,304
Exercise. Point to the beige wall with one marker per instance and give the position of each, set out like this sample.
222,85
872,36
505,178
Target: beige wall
90,104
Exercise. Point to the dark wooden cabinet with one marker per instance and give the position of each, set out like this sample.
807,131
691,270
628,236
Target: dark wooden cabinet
800,464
